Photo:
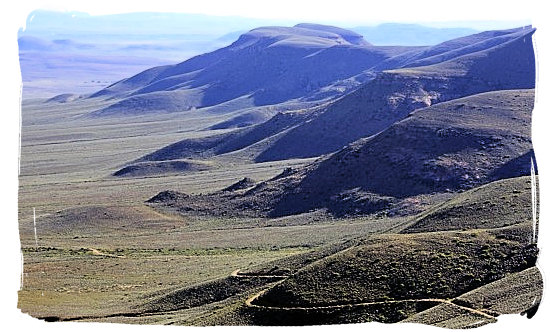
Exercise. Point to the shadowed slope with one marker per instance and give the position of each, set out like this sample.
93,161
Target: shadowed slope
448,147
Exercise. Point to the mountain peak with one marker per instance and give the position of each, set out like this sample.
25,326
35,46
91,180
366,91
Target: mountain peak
348,35
302,35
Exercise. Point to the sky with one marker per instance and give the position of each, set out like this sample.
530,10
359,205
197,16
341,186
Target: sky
42,22
14,15
341,12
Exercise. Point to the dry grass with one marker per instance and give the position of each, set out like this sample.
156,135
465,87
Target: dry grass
71,283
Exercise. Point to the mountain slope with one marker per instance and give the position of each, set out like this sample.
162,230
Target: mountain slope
448,147
497,204
268,65
452,48
394,94
497,60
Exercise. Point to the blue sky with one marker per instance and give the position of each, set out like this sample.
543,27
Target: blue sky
88,18
351,11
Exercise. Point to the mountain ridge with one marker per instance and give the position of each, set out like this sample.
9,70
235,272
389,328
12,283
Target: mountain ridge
387,98
431,152
268,65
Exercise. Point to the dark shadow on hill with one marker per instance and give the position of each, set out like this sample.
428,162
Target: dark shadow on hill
449,147
517,167
160,168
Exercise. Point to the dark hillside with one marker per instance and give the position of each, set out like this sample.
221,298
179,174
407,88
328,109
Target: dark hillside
452,146
394,94
497,204
449,147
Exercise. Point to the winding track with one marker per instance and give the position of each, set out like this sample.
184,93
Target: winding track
249,302
237,274
251,299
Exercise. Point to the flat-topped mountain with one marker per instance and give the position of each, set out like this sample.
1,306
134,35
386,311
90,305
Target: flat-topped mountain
267,65
271,65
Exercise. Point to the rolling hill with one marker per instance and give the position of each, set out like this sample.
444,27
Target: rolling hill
382,278
509,199
447,276
441,264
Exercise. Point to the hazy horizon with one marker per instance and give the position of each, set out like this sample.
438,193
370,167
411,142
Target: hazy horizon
76,52
471,23
50,20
